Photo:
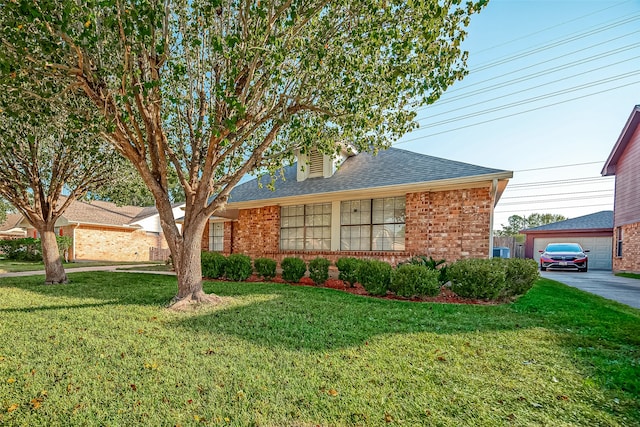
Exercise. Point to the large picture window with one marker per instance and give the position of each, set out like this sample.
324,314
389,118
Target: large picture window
372,224
216,236
306,227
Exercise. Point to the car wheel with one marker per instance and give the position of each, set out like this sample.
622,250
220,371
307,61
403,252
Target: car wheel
584,270
543,268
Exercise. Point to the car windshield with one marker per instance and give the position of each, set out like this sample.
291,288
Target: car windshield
564,247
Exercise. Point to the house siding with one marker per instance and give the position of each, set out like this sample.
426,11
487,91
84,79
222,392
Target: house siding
627,194
449,225
108,244
630,259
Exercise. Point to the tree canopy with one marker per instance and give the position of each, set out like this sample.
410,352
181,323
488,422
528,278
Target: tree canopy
517,223
212,90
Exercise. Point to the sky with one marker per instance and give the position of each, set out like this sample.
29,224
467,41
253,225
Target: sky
550,86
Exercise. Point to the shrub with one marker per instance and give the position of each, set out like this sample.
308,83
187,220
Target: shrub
319,270
293,269
375,276
410,280
238,267
477,278
520,275
27,249
213,264
265,267
431,264
348,270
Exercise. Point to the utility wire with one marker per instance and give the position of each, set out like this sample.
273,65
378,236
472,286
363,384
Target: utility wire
557,208
569,181
567,199
515,114
608,191
560,166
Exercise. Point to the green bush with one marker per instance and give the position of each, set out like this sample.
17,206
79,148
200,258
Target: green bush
348,270
520,275
375,276
478,278
238,267
213,264
319,270
293,269
410,280
431,264
265,267
27,249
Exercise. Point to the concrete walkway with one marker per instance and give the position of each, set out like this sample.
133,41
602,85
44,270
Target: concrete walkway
110,268
603,283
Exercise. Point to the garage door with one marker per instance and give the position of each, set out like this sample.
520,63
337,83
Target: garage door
599,247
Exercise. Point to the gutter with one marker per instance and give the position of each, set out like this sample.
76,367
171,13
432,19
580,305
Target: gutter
494,191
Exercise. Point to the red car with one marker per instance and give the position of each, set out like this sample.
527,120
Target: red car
564,255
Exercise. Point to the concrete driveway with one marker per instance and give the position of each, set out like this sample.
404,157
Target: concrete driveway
603,283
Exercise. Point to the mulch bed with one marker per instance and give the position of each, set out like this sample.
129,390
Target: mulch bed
445,296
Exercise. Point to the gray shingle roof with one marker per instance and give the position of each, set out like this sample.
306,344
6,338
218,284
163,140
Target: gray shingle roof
603,219
364,171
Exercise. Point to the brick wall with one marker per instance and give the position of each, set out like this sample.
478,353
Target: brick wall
447,225
630,260
108,244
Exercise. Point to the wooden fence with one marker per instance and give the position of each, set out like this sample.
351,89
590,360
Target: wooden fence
159,254
517,249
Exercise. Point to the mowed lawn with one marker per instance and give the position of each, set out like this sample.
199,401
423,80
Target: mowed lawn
103,350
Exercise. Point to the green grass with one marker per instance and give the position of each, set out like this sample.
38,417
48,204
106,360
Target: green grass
629,275
157,267
103,350
8,266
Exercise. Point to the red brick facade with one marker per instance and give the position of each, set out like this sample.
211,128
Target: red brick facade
449,225
630,259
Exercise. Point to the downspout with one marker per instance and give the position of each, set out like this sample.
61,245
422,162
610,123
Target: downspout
494,190
73,237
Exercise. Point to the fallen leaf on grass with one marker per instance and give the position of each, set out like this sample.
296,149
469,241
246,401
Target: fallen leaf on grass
11,380
562,397
13,407
388,418
332,392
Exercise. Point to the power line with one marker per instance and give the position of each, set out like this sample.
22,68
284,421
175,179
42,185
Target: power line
608,191
549,28
569,181
558,208
561,166
567,199
516,114
532,99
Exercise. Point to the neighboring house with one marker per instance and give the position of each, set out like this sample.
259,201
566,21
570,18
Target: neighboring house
593,232
624,163
10,229
391,206
106,232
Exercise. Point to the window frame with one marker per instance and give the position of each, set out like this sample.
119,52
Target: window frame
371,223
305,222
213,236
619,242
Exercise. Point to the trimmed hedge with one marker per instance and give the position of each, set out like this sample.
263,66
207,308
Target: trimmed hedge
520,275
477,278
319,270
432,264
30,249
238,267
348,270
293,269
375,276
409,280
265,267
213,264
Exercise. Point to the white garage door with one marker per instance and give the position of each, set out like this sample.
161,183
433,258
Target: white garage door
599,247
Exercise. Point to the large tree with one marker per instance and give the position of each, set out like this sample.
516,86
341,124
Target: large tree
517,223
214,89
43,153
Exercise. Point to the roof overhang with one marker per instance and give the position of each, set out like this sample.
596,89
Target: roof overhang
387,191
621,144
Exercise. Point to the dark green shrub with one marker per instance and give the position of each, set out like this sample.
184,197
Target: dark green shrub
520,275
293,269
238,267
265,267
375,276
410,280
348,270
431,264
27,249
213,264
319,270
477,278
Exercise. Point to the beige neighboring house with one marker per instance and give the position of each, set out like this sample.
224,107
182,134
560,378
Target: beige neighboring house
103,231
10,229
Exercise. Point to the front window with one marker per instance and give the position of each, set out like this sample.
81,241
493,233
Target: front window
619,242
306,227
216,236
372,224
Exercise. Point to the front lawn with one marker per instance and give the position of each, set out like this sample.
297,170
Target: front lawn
10,266
104,351
630,275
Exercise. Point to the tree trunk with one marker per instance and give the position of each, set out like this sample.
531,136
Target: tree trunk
185,251
54,270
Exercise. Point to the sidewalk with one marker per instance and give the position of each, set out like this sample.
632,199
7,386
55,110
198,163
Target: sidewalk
109,268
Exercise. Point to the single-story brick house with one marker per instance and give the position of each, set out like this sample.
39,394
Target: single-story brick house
10,228
594,232
104,231
624,163
391,206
